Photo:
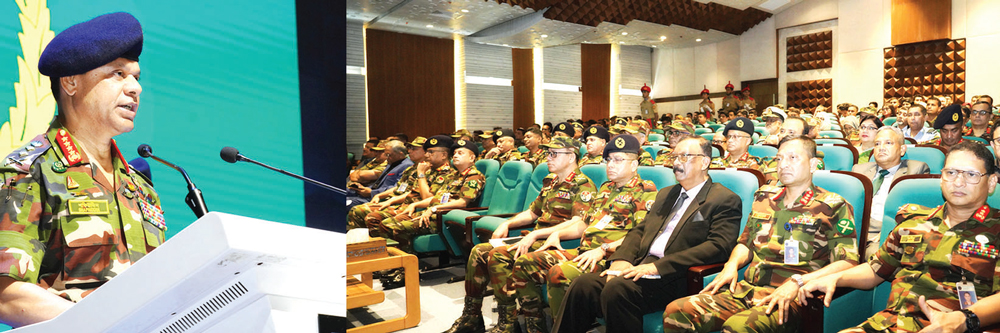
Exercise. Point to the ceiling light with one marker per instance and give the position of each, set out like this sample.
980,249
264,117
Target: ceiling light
698,40
430,25
621,42
624,34
663,37
654,46
544,36
465,10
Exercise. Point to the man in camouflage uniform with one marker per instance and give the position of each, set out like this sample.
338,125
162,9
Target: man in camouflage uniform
397,163
462,190
619,206
486,139
982,112
678,130
950,125
431,174
533,141
566,193
76,214
506,149
798,218
739,132
647,108
932,251
406,182
367,174
640,130
596,138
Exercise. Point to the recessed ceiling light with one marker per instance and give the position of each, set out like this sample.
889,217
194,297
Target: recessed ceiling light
698,40
430,25
663,37
465,10
624,34
544,36
621,42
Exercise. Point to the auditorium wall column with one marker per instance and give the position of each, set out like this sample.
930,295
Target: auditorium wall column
524,87
595,77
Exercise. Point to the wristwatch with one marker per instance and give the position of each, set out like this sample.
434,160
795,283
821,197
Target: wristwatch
434,210
798,279
420,176
971,321
606,247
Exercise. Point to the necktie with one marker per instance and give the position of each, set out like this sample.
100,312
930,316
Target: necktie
878,180
677,206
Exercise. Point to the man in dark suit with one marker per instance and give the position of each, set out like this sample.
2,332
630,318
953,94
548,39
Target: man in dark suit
693,223
888,165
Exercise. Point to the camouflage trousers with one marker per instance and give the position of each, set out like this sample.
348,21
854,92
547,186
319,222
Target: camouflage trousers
490,266
888,321
356,216
399,226
554,268
727,312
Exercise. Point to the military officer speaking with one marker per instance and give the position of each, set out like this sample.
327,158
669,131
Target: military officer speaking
936,254
76,213
795,234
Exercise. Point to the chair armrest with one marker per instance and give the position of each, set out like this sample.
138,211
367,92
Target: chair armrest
696,275
469,235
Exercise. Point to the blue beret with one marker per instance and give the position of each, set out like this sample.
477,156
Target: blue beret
91,44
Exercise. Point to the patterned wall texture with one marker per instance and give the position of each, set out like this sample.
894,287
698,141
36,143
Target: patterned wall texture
927,68
809,94
812,51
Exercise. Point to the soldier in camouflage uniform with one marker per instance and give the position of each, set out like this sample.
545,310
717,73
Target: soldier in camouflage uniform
431,174
950,126
505,150
462,190
597,138
619,206
566,193
795,234
404,187
76,214
533,141
640,130
794,127
487,140
932,252
367,174
678,130
739,132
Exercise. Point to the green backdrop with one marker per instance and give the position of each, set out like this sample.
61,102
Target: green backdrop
214,74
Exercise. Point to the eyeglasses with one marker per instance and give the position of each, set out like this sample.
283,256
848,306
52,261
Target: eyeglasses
718,142
869,128
619,160
980,112
684,158
737,137
915,114
553,154
971,177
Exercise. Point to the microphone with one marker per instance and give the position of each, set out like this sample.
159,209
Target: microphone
232,155
193,198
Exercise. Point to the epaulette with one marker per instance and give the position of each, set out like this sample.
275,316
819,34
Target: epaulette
21,158
551,175
909,211
648,185
831,199
141,175
769,189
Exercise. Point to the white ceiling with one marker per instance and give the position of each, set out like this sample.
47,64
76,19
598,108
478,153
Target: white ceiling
445,19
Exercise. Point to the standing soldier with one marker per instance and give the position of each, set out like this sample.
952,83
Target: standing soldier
738,133
619,206
749,103
647,109
566,193
731,102
597,137
706,106
936,254
795,234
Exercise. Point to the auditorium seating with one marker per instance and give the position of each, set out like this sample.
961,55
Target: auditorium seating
654,137
762,151
698,131
509,193
932,155
839,156
976,138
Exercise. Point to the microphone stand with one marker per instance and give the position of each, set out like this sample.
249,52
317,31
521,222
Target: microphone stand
306,179
194,198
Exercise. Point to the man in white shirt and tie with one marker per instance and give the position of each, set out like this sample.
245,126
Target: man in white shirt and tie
693,223
888,165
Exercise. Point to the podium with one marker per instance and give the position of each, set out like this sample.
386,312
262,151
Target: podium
223,273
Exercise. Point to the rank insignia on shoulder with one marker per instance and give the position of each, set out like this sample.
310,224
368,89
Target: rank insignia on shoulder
911,239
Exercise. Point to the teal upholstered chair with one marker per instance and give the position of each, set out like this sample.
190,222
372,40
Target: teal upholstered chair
522,149
716,127
654,137
660,176
596,172
889,121
652,150
762,151
508,193
839,156
831,134
762,131
976,138
708,136
703,130
482,227
930,154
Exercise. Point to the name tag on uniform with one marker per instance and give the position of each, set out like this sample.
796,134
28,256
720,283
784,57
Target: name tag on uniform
445,197
911,239
791,252
760,215
603,222
88,207
563,195
402,187
966,294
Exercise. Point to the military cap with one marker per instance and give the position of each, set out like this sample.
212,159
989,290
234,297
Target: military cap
578,125
747,88
637,126
645,88
380,146
683,125
461,143
621,121
705,91
729,85
486,135
622,143
771,111
438,141
502,133
565,128
598,131
951,114
741,124
91,44
560,142
460,133
418,141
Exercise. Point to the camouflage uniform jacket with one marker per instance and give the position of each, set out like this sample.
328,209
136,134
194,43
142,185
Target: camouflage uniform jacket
937,142
510,155
745,161
536,158
467,185
646,159
559,202
820,221
64,230
374,165
436,180
769,167
616,210
987,135
406,182
663,158
587,159
923,257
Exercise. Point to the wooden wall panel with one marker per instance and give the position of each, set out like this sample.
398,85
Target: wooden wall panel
810,51
595,79
524,87
809,94
915,21
411,84
933,68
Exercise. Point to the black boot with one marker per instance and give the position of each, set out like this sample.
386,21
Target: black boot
507,322
471,320
393,279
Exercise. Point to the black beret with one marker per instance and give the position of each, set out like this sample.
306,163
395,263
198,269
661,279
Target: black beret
460,143
502,133
950,115
438,141
91,44
622,143
565,128
740,123
598,131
